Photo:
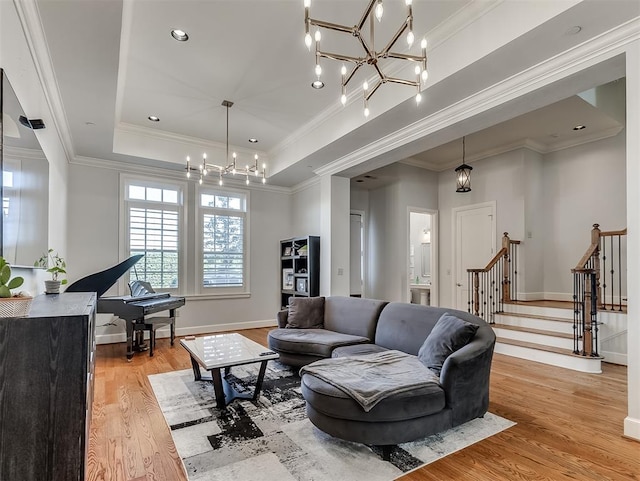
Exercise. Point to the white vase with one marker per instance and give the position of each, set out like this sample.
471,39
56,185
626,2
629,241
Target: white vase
52,287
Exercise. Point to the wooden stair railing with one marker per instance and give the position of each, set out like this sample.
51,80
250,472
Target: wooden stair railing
590,286
490,287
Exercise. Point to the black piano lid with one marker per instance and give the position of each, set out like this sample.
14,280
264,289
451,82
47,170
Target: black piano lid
101,282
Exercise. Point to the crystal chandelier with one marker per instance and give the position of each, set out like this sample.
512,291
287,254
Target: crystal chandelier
371,57
231,168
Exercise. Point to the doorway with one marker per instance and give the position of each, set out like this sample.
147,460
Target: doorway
422,266
474,236
357,254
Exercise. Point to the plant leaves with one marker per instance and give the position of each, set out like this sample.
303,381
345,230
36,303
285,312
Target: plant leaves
5,274
4,291
15,282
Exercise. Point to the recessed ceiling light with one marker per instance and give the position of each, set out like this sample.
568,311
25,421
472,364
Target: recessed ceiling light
153,118
579,127
179,35
317,84
359,181
574,30
253,141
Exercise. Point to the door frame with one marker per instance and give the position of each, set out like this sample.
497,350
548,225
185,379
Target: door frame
434,253
365,250
454,257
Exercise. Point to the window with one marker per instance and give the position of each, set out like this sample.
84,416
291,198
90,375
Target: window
223,234
152,224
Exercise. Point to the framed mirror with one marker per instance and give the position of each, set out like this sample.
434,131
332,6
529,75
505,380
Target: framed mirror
25,184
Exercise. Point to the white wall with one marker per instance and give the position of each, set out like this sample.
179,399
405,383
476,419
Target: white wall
583,186
94,246
305,211
530,278
388,275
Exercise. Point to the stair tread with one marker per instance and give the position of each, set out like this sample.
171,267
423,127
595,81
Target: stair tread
542,347
534,331
535,316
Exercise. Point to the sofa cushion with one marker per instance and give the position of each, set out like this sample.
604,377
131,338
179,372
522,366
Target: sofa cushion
357,350
448,335
313,342
306,313
352,315
333,402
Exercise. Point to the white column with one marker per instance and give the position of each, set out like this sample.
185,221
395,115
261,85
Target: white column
632,421
334,236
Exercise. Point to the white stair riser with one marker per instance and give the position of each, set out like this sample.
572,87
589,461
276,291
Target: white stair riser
536,338
539,311
535,323
582,364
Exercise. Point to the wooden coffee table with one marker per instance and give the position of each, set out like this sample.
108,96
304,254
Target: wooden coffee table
225,351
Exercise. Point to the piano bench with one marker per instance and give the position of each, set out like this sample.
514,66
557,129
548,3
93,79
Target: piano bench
151,324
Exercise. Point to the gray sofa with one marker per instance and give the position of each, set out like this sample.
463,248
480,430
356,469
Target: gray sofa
354,327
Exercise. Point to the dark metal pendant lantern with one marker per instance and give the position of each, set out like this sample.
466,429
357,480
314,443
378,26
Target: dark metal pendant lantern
463,174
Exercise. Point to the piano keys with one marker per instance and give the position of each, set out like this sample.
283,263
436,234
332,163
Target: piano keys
134,309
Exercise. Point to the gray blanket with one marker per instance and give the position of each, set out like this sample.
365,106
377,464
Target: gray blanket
370,378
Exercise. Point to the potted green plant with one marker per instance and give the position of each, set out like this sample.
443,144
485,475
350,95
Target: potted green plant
57,267
12,305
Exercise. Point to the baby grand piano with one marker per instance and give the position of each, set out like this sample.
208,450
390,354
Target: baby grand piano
134,309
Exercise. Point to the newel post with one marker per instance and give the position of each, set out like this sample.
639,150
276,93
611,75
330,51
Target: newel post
476,293
506,281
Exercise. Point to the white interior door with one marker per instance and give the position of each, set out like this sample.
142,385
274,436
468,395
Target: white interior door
475,244
356,255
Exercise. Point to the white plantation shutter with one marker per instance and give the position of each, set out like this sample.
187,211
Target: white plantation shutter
153,229
154,233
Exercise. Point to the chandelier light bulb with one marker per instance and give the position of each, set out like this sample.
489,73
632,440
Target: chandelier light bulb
417,70
247,181
418,97
379,10
264,166
366,111
425,75
307,3
423,44
220,182
200,181
318,36
188,159
233,171
365,85
188,175
343,70
204,171
408,2
410,38
343,99
264,181
318,70
307,40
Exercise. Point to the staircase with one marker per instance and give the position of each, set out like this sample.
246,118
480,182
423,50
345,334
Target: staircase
541,334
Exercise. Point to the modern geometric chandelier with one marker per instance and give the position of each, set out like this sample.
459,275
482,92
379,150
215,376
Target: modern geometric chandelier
371,57
231,168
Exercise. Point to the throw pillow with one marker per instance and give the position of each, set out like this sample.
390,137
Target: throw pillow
306,313
448,335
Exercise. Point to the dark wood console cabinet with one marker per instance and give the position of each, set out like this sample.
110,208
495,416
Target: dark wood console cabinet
46,389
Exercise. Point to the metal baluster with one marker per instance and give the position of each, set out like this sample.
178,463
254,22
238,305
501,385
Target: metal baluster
620,273
594,315
469,292
613,302
604,273
575,312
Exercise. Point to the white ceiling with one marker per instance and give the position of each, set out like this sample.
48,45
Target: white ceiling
115,64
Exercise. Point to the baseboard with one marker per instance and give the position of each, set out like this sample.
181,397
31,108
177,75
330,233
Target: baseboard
191,331
558,296
530,296
614,357
632,428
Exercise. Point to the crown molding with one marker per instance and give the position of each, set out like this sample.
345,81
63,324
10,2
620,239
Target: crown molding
163,135
566,63
594,137
34,34
305,184
130,168
19,153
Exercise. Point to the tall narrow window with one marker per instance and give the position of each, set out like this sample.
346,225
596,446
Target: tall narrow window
223,230
153,214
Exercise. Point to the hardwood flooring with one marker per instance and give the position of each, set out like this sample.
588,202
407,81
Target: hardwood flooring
569,424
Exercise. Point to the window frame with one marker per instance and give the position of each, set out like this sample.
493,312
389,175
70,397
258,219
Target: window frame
181,207
215,291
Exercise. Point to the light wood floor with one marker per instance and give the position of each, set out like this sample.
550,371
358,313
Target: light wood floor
569,424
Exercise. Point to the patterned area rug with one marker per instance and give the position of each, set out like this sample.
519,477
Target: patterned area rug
272,440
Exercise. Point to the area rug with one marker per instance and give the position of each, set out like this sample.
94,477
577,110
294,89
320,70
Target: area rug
271,439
